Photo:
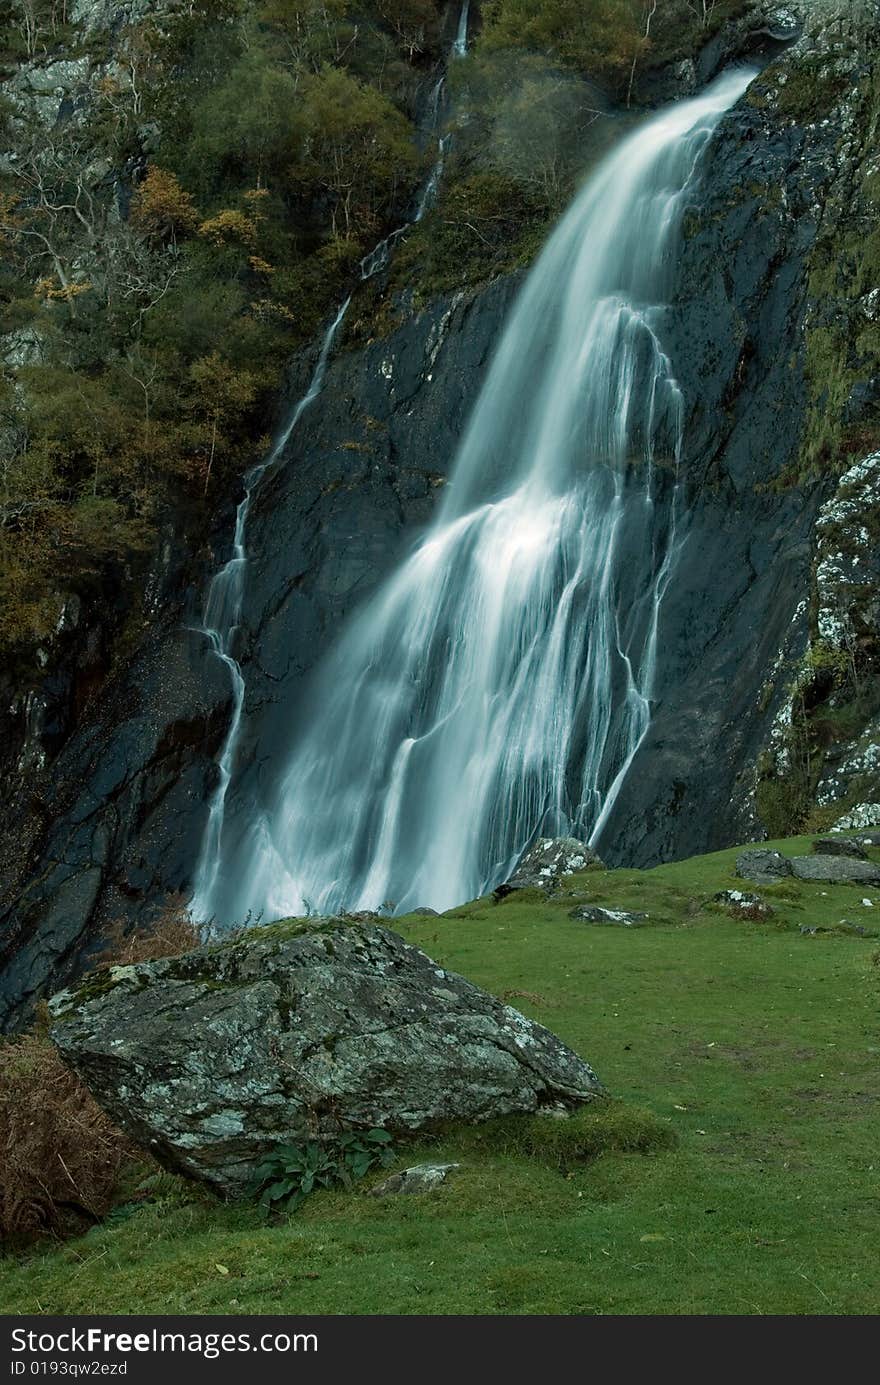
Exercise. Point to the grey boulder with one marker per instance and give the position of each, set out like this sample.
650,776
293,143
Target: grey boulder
763,866
421,1178
544,864
619,918
296,1032
836,870
839,846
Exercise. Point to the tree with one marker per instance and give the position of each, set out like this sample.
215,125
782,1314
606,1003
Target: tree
161,208
540,129
222,395
601,38
242,130
354,147
703,9
414,22
650,9
38,20
313,32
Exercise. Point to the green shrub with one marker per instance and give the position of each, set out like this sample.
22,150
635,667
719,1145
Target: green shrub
292,1172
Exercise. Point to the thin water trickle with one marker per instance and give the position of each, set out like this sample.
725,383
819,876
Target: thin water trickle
460,47
500,682
221,622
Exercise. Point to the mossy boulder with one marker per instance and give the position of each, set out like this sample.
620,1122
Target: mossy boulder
544,864
301,1032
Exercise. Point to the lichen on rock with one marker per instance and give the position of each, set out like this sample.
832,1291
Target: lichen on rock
300,1032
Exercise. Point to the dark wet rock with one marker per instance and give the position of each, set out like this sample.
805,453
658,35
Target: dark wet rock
618,918
743,904
113,827
836,870
297,1032
735,331
839,846
428,913
545,863
421,1178
757,31
763,866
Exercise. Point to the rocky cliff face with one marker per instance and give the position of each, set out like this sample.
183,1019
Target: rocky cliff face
109,824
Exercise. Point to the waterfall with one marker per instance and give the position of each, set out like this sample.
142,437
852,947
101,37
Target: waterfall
499,683
221,619
432,183
459,48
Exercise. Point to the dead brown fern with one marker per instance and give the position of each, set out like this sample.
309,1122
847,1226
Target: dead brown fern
59,1152
170,934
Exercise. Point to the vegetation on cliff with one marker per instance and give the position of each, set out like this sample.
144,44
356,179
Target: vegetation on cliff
167,242
200,200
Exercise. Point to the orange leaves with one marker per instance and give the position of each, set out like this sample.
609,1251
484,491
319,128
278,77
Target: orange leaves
162,208
51,290
229,227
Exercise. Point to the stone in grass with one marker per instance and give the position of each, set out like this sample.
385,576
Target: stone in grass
742,904
302,1031
763,866
839,846
543,865
836,870
844,929
592,913
421,1178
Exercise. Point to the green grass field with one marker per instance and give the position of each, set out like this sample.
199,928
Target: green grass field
756,1045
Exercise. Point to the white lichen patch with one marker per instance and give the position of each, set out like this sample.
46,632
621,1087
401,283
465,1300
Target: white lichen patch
865,815
847,568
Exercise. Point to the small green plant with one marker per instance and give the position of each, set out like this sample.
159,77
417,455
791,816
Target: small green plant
291,1172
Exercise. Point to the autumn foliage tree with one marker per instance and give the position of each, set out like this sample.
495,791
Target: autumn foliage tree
161,208
221,397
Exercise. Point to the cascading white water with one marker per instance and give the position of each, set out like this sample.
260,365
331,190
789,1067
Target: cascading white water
500,682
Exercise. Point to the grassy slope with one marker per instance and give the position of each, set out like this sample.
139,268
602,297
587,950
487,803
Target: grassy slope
760,1046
